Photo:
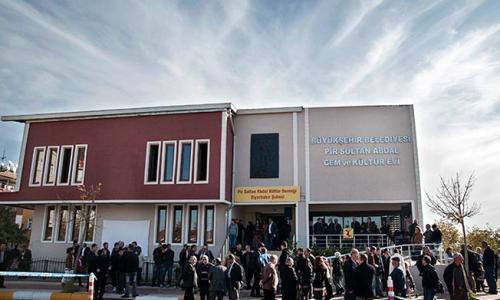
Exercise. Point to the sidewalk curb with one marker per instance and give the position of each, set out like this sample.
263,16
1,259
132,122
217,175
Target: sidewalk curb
41,295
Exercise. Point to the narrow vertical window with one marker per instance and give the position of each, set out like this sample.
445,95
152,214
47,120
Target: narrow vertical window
177,225
76,220
51,165
185,155
264,155
90,220
193,224
79,164
168,162
37,165
64,172
49,223
152,162
202,161
209,224
161,223
62,225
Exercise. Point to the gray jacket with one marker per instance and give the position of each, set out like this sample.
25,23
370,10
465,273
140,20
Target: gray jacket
217,278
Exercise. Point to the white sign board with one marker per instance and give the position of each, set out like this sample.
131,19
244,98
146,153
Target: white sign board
126,231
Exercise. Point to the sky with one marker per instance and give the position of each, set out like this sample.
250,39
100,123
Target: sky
441,56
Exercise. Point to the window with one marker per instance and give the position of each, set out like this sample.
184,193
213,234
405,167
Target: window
168,163
79,163
193,225
64,172
37,166
264,155
49,223
90,223
161,223
209,224
185,155
62,225
152,162
177,225
51,165
201,161
76,220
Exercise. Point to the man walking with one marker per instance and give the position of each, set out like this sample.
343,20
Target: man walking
456,279
217,279
131,262
349,266
489,263
202,269
235,277
189,279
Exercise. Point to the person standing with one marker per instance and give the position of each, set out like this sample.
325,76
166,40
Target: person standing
271,234
349,266
206,251
428,234
248,263
234,278
168,264
430,279
25,259
233,234
356,226
269,281
217,279
102,269
398,278
158,260
437,235
304,272
319,232
92,264
289,280
114,257
249,233
363,279
285,253
337,266
131,262
202,270
456,279
489,263
321,278
189,279
411,228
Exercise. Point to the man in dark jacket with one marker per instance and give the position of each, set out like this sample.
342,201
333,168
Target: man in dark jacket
425,252
398,278
271,234
248,263
349,267
25,259
114,257
363,279
102,268
289,280
234,275
437,235
159,265
202,270
456,279
169,263
304,270
217,279
489,263
189,279
131,262
430,279
93,264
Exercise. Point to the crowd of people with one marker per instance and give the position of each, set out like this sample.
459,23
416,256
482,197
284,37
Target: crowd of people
14,259
268,232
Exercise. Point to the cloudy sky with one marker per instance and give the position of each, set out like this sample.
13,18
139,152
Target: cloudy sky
441,56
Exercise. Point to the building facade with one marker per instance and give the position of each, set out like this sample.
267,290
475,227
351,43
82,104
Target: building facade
181,173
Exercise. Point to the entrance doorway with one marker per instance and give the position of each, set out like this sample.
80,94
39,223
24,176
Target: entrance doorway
283,225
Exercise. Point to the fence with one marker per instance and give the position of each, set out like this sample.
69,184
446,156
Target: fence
358,241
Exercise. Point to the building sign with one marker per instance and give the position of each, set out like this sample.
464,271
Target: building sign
267,194
361,151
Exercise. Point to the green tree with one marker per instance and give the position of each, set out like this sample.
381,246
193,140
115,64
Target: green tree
491,235
10,232
451,236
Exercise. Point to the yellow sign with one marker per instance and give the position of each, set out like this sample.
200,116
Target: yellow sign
348,233
267,194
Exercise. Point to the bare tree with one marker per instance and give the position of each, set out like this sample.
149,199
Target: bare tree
452,202
88,195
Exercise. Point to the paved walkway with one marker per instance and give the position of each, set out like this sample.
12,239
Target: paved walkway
154,293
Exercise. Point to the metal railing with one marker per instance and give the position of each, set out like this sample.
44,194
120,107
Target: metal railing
359,240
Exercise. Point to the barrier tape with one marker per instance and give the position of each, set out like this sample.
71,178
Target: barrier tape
40,274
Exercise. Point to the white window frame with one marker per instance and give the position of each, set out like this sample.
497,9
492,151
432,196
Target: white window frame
74,164
167,225
172,226
61,157
195,175
162,160
44,224
146,165
202,233
179,162
46,166
56,235
33,164
188,225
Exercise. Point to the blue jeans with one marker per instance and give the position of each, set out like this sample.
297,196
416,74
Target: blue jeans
168,271
491,278
158,274
130,281
232,241
429,294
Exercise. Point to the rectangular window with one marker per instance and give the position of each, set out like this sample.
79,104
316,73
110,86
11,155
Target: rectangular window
177,225
168,163
64,173
79,163
62,225
51,165
209,224
152,162
161,223
90,220
49,223
264,155
76,220
193,224
37,166
202,161
185,165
